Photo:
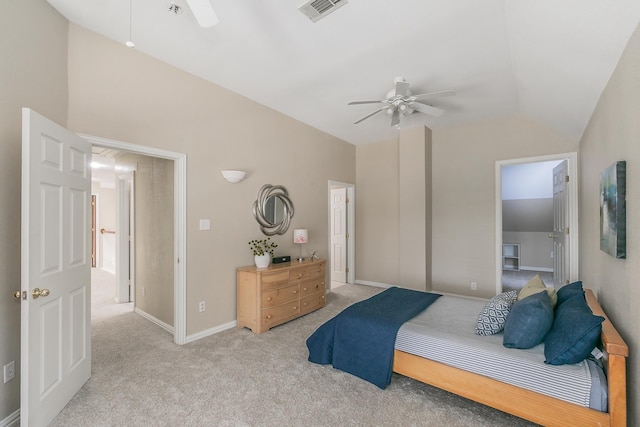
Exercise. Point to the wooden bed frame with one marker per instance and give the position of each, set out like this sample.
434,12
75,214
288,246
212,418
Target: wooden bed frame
526,404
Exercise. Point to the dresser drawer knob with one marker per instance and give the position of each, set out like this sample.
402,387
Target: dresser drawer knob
269,299
299,276
322,297
304,289
295,308
295,292
268,317
306,304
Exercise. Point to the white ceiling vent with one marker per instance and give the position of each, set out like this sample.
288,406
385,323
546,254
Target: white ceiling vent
318,9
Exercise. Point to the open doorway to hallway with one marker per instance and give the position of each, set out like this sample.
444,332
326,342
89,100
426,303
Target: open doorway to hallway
134,259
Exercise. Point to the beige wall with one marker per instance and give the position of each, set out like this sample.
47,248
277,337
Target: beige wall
33,73
393,206
535,248
121,94
464,199
614,134
153,235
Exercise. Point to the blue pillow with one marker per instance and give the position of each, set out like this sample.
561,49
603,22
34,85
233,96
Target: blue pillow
574,334
528,321
567,291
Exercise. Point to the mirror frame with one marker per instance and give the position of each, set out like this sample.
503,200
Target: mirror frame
265,193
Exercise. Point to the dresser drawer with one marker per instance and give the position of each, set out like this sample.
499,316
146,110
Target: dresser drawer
312,302
273,316
300,274
275,280
311,287
280,296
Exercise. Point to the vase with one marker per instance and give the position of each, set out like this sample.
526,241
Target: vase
262,261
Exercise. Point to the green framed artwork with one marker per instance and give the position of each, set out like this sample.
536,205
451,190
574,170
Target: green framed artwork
613,210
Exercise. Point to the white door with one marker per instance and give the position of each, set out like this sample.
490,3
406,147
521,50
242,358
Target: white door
339,235
56,268
561,230
124,244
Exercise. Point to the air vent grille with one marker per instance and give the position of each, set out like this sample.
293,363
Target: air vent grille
318,9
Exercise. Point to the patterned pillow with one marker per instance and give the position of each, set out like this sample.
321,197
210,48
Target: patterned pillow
492,317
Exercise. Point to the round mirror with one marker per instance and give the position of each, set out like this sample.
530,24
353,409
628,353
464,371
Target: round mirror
273,209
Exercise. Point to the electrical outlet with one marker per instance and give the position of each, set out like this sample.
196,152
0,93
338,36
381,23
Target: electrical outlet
202,306
9,371
474,286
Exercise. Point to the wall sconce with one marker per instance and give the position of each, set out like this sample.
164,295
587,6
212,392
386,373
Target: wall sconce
300,237
233,176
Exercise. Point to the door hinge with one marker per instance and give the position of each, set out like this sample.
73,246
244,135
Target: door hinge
566,231
346,235
566,178
347,200
346,269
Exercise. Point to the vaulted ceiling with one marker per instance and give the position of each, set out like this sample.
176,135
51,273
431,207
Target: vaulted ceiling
546,59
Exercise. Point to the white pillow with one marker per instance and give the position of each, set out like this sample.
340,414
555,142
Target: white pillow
492,317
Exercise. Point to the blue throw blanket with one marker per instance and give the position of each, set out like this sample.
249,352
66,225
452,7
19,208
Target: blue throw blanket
360,340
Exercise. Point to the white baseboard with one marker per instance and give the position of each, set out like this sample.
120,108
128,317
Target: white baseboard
545,269
210,331
155,320
12,420
376,284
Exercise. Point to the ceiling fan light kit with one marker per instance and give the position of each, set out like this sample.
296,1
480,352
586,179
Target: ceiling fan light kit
400,102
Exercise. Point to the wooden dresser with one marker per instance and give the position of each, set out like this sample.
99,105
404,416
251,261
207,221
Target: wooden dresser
270,296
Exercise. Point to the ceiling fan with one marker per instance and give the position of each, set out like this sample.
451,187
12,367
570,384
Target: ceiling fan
399,101
202,11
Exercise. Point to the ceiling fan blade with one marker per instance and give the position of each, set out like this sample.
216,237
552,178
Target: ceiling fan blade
204,13
369,115
427,109
395,118
402,89
364,102
435,94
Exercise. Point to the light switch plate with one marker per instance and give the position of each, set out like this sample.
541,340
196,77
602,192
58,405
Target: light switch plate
205,224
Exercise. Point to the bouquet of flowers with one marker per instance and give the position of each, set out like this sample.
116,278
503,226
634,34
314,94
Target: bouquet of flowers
262,247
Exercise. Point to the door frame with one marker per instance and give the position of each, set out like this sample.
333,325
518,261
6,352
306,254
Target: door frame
351,228
179,225
572,160
95,231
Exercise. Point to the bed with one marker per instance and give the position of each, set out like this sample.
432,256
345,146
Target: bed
541,407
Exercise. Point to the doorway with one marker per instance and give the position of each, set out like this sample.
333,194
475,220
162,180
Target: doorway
527,216
341,233
179,224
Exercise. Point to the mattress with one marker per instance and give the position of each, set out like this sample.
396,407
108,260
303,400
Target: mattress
445,333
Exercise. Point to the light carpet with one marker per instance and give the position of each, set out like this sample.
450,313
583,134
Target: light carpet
237,378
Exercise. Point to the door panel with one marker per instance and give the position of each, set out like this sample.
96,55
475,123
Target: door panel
56,280
339,235
560,233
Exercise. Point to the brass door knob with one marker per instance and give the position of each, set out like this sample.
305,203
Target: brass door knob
17,295
37,292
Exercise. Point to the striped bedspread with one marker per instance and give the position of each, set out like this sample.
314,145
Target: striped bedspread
445,333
